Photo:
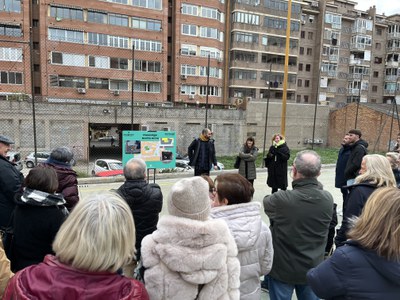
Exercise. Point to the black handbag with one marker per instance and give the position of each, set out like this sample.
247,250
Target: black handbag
237,162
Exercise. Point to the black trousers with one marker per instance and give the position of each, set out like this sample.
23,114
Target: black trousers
199,172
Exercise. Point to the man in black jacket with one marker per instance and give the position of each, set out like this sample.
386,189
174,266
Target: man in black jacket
343,157
358,150
144,199
202,153
10,182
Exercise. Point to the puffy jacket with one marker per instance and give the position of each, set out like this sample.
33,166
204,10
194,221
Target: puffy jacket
146,201
247,167
187,259
353,272
67,183
353,206
301,219
254,242
53,280
10,183
353,165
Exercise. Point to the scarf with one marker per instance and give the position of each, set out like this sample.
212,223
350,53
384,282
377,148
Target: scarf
276,145
203,138
39,198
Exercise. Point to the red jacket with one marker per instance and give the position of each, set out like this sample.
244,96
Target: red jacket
54,280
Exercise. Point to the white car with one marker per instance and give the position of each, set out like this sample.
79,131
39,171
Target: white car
107,167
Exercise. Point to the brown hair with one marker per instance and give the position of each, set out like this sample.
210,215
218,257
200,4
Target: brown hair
235,188
277,134
42,179
211,184
378,227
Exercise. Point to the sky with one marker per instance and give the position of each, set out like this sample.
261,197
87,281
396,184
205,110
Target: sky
389,7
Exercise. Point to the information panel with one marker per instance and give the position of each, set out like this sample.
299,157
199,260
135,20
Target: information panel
156,148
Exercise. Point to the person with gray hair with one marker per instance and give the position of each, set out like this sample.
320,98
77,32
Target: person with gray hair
60,160
144,199
301,219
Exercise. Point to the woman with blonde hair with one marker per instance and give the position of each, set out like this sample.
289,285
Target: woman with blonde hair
368,266
394,159
375,172
96,240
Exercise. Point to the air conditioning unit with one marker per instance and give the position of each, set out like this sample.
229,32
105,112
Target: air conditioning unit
81,90
116,93
183,77
191,97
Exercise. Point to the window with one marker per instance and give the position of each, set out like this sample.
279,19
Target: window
152,4
64,35
212,90
10,5
188,89
97,17
308,67
305,98
309,51
118,20
303,34
213,52
298,98
299,82
376,74
10,77
378,46
246,18
306,83
188,70
67,59
146,24
378,60
118,1
98,83
310,35
242,37
378,31
301,50
188,9
148,66
66,13
209,32
107,40
210,13
188,29
214,72
67,81
245,74
120,85
147,45
300,67
101,62
189,50
10,30
10,54
35,23
374,88
119,63
147,87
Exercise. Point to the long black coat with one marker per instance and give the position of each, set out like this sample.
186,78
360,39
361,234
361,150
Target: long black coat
276,162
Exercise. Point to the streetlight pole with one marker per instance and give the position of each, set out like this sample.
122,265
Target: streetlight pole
207,88
133,81
358,101
266,113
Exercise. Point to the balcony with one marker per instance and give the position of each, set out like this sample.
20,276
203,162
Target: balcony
391,78
358,46
330,74
392,64
393,35
359,30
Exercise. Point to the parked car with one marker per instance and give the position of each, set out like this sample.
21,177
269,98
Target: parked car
41,157
186,159
107,167
108,138
15,157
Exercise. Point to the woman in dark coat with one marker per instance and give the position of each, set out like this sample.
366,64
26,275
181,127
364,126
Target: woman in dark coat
276,162
37,217
367,267
248,155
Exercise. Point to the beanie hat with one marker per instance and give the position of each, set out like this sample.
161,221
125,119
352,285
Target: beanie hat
356,132
189,198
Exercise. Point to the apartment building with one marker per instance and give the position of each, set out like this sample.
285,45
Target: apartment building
193,53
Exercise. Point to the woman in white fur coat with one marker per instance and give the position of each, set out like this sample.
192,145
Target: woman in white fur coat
190,256
232,203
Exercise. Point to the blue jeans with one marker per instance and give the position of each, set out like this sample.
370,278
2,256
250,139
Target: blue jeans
279,290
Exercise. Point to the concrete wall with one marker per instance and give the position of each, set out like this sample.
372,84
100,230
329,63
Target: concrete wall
68,124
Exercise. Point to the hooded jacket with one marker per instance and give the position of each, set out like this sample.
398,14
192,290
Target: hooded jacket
145,201
67,182
353,165
353,272
51,280
37,219
254,242
190,259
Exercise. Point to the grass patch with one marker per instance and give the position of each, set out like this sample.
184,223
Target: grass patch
328,156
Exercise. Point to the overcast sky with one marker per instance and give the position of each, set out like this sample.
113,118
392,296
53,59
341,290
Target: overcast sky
389,7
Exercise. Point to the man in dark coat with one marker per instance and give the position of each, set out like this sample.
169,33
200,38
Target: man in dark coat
10,182
202,153
144,199
343,157
358,150
301,219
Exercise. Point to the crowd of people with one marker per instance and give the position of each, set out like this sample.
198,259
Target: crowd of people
213,243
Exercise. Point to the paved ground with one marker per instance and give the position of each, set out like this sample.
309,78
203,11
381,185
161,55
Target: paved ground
327,178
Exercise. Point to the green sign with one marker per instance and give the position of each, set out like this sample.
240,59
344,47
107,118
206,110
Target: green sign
156,148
